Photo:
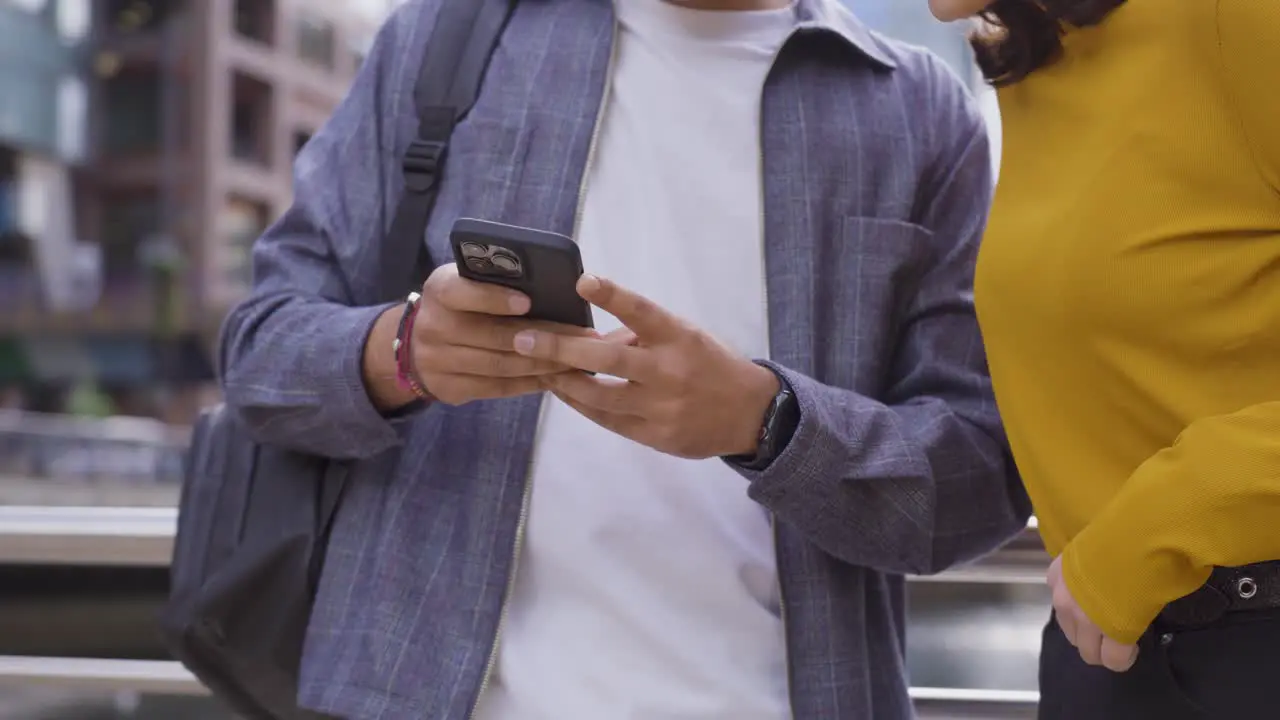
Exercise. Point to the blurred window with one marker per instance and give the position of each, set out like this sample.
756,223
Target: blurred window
32,6
300,140
242,221
317,40
137,15
8,197
128,221
73,111
358,46
255,20
250,119
74,18
132,111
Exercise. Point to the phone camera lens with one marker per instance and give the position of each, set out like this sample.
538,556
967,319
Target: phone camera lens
479,264
474,249
506,263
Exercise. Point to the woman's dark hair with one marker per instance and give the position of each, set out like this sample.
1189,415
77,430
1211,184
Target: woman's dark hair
1026,35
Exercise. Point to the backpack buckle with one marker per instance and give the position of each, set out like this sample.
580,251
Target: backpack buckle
421,164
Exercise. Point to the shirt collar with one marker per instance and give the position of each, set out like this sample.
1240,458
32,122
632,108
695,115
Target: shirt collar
831,16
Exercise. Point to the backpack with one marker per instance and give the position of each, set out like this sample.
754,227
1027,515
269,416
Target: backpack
254,520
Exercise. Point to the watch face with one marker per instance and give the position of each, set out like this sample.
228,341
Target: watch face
776,427
770,418
767,447
785,420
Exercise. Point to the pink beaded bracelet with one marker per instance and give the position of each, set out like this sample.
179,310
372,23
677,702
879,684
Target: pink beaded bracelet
403,345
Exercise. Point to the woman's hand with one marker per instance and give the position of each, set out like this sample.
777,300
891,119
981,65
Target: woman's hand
1094,646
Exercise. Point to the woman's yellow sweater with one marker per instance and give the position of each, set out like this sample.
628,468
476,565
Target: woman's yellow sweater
1129,295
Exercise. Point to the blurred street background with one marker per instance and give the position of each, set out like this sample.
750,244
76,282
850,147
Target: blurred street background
144,145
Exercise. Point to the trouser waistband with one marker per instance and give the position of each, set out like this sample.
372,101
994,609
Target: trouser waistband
1228,590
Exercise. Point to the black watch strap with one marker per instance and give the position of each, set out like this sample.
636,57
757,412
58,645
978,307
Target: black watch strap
780,421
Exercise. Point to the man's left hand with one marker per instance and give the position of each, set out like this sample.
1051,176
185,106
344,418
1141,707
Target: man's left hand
1094,645
673,388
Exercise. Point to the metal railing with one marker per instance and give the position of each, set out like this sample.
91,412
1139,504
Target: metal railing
170,678
138,537
144,537
1022,561
60,447
162,677
966,704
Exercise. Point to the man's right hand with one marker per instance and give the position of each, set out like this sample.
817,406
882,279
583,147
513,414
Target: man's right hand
462,348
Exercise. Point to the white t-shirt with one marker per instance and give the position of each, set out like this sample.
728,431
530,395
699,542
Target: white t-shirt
647,586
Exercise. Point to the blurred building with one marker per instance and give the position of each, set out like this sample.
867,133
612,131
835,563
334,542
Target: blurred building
144,144
42,121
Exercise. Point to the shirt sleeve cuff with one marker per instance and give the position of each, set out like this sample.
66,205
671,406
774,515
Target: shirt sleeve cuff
351,394
1116,593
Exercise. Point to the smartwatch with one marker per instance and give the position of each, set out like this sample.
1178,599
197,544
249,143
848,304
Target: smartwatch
781,419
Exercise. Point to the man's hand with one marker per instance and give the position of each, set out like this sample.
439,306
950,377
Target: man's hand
462,344
680,391
1095,647
463,340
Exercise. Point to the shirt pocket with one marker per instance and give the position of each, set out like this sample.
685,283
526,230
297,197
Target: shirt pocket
867,283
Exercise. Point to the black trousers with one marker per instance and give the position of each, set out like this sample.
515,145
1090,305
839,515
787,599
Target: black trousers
1224,670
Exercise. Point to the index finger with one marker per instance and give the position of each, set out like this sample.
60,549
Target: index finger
455,292
645,317
498,333
595,355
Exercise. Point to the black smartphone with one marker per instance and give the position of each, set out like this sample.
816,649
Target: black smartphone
543,265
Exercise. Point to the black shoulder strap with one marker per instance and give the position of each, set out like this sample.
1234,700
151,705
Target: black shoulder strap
457,54
453,66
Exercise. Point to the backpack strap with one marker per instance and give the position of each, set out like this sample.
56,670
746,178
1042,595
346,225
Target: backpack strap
453,66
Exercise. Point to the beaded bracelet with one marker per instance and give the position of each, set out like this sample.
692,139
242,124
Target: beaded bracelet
402,346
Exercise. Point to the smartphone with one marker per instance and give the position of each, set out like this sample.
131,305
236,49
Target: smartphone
543,265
